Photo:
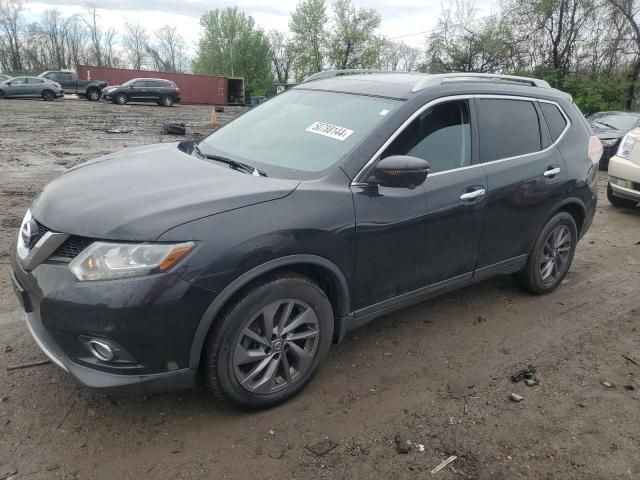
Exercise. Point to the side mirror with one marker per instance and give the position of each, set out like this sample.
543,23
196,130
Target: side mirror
401,171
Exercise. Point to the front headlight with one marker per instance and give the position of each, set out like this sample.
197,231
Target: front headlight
626,146
608,142
108,261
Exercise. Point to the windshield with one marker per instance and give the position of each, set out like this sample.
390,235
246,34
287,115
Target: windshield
617,121
300,131
128,82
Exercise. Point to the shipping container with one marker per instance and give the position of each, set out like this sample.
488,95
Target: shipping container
194,89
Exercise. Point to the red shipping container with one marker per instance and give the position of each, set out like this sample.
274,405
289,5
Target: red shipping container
194,89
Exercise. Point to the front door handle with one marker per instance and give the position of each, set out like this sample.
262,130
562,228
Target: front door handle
552,172
473,195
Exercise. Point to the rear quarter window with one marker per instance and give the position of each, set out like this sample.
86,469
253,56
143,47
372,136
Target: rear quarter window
554,118
508,128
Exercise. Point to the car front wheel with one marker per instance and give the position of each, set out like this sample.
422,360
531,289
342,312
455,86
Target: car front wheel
93,94
48,96
120,99
551,256
269,343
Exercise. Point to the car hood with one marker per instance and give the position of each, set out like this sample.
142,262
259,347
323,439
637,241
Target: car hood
139,193
608,132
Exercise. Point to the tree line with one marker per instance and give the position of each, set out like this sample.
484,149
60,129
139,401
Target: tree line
58,42
590,48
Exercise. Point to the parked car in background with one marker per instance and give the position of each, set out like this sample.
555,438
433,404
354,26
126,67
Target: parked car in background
4,77
89,89
623,189
31,87
610,127
243,255
148,90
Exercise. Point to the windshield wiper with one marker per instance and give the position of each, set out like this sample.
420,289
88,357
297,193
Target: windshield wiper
606,124
242,167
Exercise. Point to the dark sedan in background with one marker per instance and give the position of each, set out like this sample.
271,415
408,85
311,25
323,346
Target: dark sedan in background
610,127
150,90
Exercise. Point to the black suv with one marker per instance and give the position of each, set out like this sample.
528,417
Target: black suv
244,255
154,90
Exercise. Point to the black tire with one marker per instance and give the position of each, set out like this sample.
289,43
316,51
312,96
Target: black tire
93,94
120,99
545,251
619,202
48,96
167,101
227,342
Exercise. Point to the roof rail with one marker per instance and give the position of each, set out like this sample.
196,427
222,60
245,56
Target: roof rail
439,79
347,71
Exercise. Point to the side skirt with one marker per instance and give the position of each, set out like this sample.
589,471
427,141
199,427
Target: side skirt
365,315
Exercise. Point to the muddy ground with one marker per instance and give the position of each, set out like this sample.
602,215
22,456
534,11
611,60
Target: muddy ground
438,373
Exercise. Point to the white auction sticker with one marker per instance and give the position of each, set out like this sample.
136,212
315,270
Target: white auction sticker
329,130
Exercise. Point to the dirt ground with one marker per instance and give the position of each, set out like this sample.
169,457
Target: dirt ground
437,373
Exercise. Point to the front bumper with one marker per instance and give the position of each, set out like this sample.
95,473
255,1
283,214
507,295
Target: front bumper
150,320
624,178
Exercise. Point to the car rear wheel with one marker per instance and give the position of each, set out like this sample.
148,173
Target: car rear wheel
48,95
93,94
551,256
269,343
167,101
619,202
120,99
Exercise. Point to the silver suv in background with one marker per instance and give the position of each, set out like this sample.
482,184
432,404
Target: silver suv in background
31,87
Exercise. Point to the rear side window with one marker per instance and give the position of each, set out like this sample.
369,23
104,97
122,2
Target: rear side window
554,118
508,128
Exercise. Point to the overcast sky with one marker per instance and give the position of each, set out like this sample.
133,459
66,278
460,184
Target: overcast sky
401,19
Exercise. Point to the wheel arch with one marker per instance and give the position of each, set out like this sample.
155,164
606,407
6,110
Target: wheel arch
576,208
319,269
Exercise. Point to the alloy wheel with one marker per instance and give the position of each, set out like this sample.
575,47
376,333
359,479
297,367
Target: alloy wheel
276,347
555,253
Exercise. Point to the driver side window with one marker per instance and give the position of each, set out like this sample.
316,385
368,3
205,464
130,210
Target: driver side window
441,136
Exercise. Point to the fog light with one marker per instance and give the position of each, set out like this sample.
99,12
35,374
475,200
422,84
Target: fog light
100,350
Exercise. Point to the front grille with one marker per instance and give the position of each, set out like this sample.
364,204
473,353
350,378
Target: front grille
71,248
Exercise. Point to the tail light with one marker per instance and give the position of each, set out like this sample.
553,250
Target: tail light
595,149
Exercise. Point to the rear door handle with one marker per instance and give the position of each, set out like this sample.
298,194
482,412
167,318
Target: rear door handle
473,195
552,172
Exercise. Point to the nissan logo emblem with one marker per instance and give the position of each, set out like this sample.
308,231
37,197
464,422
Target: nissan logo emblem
30,233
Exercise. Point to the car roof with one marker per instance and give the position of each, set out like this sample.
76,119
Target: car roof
404,85
154,79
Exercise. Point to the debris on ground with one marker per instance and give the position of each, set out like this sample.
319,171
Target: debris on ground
444,463
479,319
631,359
516,398
460,389
607,384
531,382
119,130
631,388
173,129
524,374
403,444
7,470
357,450
420,447
322,446
28,365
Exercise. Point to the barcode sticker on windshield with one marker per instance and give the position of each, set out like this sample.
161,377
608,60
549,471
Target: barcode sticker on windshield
329,130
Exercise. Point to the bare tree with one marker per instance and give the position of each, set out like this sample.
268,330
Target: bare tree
168,52
10,11
283,55
134,42
630,10
95,35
